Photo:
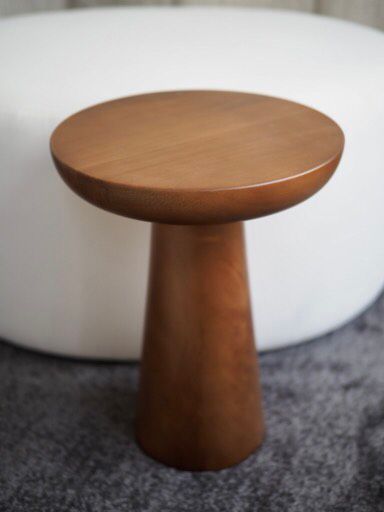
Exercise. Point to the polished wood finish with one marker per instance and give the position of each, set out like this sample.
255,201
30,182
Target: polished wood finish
199,403
194,163
197,157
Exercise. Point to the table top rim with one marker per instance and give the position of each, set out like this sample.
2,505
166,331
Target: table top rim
117,182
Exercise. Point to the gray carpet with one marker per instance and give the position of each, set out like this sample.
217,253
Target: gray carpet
66,435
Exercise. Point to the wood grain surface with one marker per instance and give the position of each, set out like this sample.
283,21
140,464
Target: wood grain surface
190,157
199,401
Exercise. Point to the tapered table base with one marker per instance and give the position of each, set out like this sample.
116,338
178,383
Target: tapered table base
199,400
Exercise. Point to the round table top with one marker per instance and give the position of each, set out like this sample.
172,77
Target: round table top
196,156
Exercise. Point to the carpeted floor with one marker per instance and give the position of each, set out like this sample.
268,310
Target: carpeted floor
66,435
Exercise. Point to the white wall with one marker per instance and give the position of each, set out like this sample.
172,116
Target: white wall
368,12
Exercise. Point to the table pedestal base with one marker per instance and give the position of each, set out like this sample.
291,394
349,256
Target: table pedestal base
199,399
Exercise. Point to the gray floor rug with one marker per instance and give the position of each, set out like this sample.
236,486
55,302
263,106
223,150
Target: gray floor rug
66,439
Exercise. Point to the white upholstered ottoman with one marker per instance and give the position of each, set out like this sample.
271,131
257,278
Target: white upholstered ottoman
72,278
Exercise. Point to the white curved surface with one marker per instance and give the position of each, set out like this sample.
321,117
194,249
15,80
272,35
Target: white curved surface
73,278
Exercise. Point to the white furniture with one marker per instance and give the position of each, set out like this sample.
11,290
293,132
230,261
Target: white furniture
61,260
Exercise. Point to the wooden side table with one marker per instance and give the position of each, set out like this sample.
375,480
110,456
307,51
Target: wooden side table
196,164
